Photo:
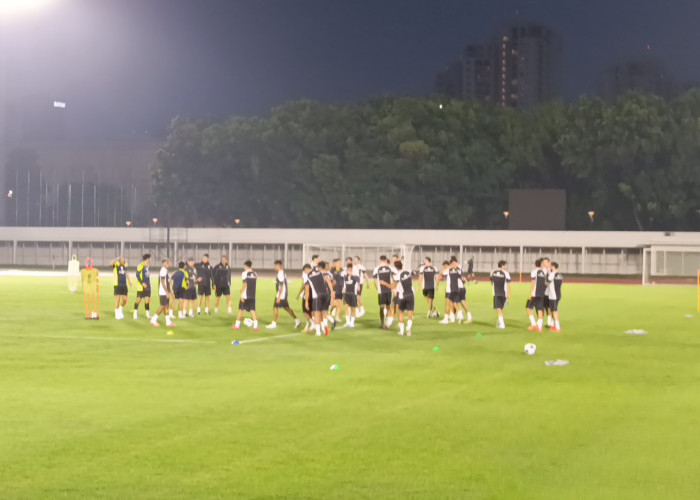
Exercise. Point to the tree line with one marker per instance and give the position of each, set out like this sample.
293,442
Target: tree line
435,163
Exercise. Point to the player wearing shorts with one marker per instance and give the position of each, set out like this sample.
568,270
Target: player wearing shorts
328,276
143,286
361,272
555,279
306,270
351,287
337,281
537,292
247,302
164,294
403,283
122,282
383,273
281,297
427,277
394,294
177,281
317,297
221,277
461,304
500,279
470,271
204,282
451,277
191,288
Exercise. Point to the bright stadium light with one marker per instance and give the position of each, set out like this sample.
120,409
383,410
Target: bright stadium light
20,7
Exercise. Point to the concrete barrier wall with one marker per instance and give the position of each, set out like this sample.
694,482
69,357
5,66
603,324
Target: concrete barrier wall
580,252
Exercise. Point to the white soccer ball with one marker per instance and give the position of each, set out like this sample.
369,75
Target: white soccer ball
248,322
530,349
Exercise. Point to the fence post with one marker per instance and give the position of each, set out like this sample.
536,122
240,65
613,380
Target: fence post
521,262
583,260
14,252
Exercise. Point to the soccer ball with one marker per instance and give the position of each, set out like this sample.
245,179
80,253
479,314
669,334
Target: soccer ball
530,349
248,322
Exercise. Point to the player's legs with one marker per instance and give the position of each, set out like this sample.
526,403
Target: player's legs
409,322
530,308
317,322
448,310
401,325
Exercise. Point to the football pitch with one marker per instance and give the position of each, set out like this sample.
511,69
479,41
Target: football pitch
108,409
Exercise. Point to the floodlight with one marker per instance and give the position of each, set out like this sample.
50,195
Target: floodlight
20,7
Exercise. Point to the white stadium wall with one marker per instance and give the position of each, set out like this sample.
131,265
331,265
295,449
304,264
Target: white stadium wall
578,252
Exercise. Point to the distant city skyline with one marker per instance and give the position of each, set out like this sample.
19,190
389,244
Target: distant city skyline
127,68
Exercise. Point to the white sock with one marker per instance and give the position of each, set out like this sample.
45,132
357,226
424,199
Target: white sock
460,315
557,325
216,309
347,319
469,316
318,330
352,320
154,318
452,317
401,328
229,310
238,324
539,324
274,323
191,312
389,320
532,319
206,310
255,323
409,324
167,320
199,310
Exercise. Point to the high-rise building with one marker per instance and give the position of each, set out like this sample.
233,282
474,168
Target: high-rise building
644,74
529,65
448,82
480,63
520,68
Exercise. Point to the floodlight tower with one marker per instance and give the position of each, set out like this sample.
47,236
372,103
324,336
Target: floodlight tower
10,11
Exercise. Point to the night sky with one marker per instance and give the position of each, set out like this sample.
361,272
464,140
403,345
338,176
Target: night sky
127,66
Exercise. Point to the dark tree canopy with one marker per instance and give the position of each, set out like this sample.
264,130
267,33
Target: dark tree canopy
436,163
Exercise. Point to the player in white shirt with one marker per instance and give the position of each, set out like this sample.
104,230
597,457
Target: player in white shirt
361,272
165,293
304,303
555,280
281,297
500,279
402,282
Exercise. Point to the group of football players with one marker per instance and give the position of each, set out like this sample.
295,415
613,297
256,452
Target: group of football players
332,290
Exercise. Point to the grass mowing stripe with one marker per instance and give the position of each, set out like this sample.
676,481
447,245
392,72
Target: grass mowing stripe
262,339
115,339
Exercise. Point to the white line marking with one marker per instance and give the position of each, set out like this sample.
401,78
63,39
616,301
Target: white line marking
262,339
118,339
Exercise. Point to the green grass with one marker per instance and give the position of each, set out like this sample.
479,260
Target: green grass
116,416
